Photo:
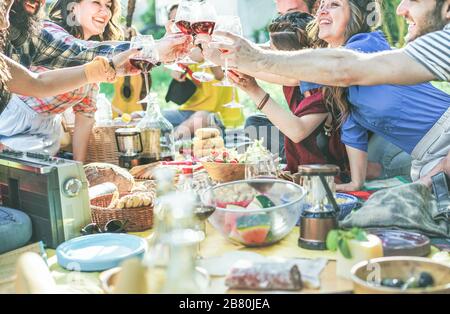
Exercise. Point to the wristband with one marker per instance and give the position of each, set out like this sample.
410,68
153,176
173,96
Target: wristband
263,102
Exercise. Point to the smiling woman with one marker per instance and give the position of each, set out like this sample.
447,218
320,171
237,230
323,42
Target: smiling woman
88,19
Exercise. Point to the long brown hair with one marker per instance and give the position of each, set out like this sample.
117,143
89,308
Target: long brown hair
360,20
60,14
4,72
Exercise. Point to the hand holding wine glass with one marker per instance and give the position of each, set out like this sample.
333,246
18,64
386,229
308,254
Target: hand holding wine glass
231,24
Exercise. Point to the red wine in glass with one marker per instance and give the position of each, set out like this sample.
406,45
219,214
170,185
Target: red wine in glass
265,185
184,27
205,27
143,64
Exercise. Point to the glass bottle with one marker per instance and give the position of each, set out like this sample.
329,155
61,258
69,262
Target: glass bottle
157,134
157,256
181,273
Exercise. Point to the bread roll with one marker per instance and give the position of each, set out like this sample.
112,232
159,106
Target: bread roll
205,133
215,142
98,173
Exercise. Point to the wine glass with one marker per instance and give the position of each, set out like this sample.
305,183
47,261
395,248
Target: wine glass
186,13
233,103
204,24
231,24
147,58
261,168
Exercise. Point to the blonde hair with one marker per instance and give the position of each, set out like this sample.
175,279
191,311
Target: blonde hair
336,97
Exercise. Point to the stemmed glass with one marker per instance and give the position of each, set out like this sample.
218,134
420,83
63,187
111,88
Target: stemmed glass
186,13
203,24
231,24
233,103
261,168
147,58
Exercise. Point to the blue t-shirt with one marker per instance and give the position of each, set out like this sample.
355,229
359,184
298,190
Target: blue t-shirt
400,114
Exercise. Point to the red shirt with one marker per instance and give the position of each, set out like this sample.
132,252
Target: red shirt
307,151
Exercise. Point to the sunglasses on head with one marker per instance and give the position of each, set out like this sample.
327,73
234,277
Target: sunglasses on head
112,226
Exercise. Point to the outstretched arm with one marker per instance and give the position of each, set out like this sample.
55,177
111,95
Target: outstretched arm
358,168
335,67
50,83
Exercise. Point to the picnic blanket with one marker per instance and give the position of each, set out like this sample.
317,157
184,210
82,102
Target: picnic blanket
407,207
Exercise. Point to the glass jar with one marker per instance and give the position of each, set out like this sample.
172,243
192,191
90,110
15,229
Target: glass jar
157,134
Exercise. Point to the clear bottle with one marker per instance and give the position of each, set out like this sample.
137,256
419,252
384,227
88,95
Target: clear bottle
157,256
181,272
157,134
104,115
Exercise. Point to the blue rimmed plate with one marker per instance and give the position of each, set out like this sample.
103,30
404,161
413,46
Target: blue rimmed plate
99,252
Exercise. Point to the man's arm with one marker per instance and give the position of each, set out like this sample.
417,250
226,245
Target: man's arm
335,67
342,67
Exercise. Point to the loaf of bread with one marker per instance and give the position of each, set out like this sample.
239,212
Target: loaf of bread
206,133
98,173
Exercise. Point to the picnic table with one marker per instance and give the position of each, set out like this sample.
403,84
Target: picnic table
216,245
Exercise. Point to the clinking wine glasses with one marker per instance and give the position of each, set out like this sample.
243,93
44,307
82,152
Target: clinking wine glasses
186,13
203,24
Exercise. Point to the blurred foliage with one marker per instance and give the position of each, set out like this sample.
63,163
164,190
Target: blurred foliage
394,26
148,20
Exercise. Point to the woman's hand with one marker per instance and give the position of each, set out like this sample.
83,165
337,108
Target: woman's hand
122,63
348,187
245,82
172,46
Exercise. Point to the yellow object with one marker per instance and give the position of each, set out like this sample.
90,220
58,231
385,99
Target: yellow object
126,118
132,278
127,93
361,251
212,98
99,70
33,275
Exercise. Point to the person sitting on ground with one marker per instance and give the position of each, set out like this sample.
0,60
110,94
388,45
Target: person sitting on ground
61,44
390,111
311,137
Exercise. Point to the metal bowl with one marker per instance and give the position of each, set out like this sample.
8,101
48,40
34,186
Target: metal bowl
260,226
364,275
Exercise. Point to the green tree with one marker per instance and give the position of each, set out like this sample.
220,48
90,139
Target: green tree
148,20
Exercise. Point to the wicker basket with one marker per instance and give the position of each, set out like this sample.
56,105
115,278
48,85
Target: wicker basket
224,172
102,145
139,218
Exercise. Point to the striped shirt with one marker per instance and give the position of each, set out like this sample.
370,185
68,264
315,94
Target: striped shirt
433,51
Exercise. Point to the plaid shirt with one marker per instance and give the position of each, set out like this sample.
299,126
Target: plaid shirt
82,100
56,48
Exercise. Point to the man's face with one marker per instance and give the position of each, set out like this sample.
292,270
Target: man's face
285,6
32,7
423,17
